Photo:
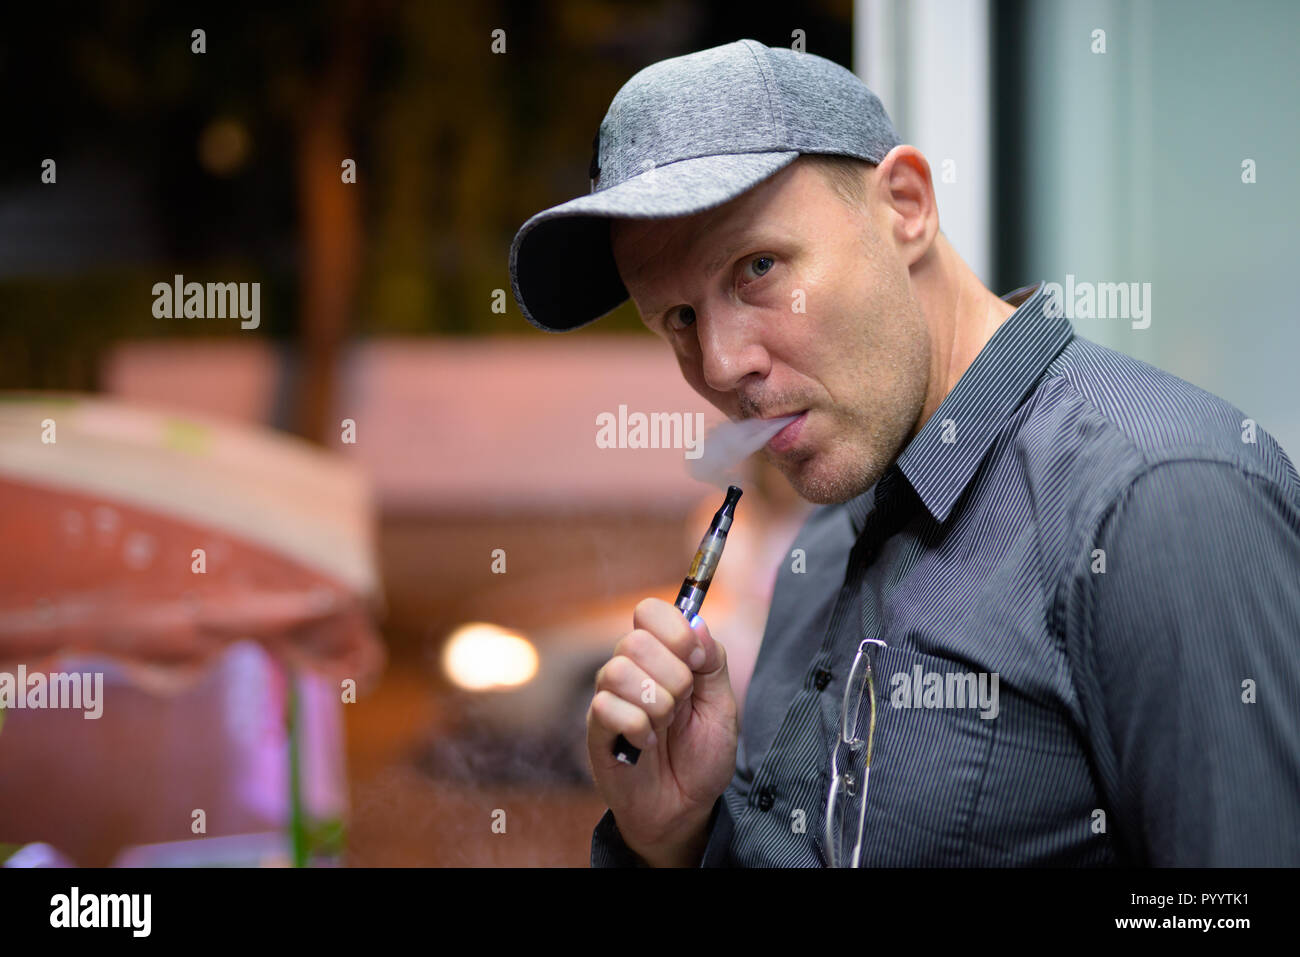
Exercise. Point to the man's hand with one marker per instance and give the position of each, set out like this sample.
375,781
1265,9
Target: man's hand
667,691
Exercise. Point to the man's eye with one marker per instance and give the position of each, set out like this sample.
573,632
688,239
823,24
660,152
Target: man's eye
685,316
760,265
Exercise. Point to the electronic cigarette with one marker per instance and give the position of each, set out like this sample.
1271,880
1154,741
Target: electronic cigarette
696,585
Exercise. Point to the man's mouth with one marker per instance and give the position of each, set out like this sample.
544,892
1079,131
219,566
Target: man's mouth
787,438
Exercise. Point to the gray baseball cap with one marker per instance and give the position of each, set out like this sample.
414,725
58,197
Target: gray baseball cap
685,135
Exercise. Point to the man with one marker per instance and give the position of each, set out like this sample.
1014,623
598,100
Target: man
1050,610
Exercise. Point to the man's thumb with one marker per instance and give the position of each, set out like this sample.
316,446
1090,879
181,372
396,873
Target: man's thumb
711,676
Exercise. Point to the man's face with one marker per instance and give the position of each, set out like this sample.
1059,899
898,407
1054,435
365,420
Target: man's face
799,304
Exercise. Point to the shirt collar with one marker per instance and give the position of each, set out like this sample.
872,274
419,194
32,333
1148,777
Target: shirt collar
941,460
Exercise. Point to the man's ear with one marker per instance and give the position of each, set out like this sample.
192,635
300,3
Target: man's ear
905,193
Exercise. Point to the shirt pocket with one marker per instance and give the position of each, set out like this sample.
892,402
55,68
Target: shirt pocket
930,758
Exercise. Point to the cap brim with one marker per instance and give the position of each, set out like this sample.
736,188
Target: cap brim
561,265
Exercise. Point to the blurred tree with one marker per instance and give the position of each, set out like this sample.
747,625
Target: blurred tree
235,155
329,213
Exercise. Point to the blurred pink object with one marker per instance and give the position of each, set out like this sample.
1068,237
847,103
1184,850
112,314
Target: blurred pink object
38,855
463,425
135,776
186,555
103,526
263,849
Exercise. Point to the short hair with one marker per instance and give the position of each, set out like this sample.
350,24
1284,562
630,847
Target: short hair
847,175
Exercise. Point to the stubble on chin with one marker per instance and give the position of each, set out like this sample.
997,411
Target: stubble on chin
847,467
839,473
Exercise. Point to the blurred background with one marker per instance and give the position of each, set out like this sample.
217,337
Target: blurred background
348,569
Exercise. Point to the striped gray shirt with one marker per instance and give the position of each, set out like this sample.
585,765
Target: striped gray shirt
1122,549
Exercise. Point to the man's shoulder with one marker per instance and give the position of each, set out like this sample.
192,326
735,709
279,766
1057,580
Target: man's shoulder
1135,416
1099,420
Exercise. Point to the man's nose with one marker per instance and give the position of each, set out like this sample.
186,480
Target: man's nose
730,347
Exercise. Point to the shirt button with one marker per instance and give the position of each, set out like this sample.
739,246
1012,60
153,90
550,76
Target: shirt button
765,799
821,678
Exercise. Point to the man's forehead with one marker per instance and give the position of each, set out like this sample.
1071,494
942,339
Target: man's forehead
629,235
643,247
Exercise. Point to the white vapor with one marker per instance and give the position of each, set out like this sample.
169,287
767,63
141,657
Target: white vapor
729,444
